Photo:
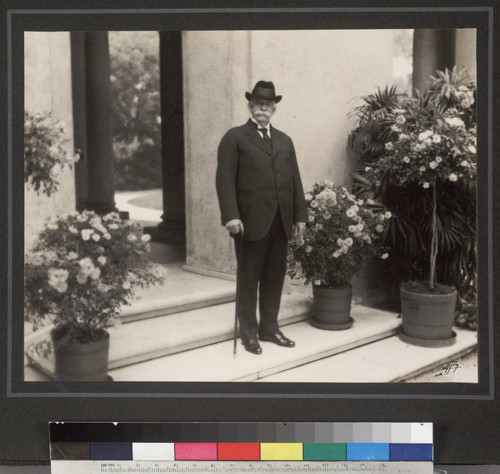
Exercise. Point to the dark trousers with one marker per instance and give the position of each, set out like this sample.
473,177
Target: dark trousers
262,268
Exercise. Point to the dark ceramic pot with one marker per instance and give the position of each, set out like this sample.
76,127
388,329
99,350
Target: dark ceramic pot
332,308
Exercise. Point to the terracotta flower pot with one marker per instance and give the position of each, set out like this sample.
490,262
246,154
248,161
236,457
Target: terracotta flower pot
83,362
428,318
332,308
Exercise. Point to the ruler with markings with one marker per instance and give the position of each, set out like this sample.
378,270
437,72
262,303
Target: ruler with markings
240,467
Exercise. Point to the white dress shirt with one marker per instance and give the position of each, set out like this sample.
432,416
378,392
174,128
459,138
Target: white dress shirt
267,127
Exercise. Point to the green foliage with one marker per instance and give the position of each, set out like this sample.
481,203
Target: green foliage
82,270
135,86
429,142
341,231
45,153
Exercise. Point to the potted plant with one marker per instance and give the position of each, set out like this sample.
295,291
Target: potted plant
428,162
45,153
341,232
82,269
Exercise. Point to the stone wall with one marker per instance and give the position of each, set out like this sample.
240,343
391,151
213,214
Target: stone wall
47,88
319,73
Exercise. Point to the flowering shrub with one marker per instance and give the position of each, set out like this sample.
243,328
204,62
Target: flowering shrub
45,155
340,232
424,151
83,268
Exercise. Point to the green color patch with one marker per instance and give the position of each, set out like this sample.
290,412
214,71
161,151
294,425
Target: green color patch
325,452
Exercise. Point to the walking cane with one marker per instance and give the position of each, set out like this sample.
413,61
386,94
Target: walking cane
236,312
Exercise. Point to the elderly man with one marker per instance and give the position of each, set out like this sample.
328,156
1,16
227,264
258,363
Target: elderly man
262,205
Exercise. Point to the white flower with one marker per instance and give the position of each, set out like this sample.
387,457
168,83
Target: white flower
82,217
72,256
388,214
308,198
368,168
86,233
96,237
145,237
107,236
400,119
73,229
379,228
102,287
424,135
349,241
433,165
403,137
314,203
350,212
336,254
464,163
327,215
436,138
395,128
317,282
132,237
422,168
96,273
86,265
370,201
352,228
389,146
406,159
126,285
384,256
310,218
95,221
425,185
318,227
419,147
454,122
102,260
472,149
453,177
82,278
339,241
438,159
308,249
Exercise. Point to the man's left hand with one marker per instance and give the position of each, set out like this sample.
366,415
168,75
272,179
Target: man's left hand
298,233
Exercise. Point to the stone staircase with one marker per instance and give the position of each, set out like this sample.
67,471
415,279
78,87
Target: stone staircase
183,331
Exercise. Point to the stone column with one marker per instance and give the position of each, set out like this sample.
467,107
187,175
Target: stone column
466,51
79,116
172,228
99,155
432,49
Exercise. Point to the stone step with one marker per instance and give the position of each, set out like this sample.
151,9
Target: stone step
387,360
182,291
147,339
215,362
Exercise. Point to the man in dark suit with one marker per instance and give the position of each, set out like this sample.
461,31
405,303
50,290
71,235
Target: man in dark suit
262,205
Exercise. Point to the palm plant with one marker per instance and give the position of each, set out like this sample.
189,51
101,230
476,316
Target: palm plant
446,210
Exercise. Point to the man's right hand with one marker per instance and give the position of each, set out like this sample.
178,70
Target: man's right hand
234,226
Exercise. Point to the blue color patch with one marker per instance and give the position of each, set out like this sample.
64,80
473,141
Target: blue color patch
111,451
367,452
411,452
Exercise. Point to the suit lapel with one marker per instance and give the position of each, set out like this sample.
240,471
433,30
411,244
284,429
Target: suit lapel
256,139
276,141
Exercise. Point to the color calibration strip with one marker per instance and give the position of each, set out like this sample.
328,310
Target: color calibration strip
248,441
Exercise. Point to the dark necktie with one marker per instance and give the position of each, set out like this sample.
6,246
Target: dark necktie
266,137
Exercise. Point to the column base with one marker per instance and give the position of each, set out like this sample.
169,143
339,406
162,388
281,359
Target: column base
171,231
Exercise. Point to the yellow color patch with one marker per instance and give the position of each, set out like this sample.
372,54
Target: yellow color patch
281,452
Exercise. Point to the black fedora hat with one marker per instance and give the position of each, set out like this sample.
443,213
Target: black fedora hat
263,90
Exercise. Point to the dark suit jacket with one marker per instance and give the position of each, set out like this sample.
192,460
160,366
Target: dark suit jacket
252,182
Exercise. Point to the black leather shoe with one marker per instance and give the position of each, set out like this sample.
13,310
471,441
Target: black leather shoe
252,345
278,338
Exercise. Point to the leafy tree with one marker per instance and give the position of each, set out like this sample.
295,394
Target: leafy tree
135,83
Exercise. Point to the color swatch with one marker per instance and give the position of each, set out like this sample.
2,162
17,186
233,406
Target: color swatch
242,441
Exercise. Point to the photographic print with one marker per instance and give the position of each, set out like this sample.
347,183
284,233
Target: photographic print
140,144
220,213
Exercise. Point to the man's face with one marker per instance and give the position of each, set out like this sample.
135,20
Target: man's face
262,110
